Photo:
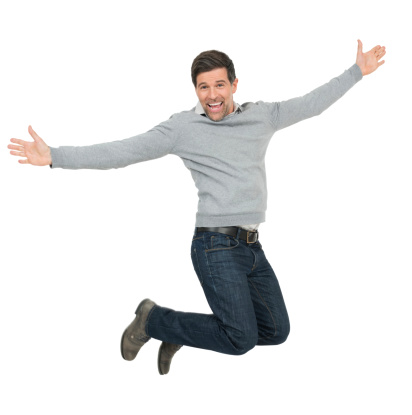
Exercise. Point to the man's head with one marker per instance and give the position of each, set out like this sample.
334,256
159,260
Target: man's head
214,78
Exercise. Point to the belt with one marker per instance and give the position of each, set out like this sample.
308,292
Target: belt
249,236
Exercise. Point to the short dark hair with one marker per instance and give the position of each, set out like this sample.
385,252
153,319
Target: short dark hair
212,59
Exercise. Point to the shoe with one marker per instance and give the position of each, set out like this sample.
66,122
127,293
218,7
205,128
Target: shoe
164,358
134,337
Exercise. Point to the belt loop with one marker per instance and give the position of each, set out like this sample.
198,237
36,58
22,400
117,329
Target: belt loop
195,231
238,232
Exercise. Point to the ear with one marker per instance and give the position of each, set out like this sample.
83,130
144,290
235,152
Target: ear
196,91
234,85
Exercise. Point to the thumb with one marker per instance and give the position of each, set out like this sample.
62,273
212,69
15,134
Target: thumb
359,47
34,135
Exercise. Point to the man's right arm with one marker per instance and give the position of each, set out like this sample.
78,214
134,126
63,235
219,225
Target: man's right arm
155,143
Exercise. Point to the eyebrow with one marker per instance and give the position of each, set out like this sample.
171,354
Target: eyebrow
221,80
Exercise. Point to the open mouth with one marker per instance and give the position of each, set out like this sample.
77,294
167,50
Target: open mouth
215,107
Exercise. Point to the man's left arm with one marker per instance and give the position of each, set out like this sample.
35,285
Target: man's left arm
286,113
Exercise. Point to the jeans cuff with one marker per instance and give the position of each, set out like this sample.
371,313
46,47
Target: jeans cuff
148,317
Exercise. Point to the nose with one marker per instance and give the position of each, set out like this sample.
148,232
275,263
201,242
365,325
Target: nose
212,93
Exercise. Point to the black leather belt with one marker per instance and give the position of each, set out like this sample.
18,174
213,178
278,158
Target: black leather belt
249,236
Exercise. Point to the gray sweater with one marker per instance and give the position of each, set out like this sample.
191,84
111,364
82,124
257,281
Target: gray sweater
226,158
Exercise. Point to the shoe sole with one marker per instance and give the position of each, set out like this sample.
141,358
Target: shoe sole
121,344
158,360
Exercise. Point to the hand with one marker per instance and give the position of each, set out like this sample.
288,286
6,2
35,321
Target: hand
369,61
37,152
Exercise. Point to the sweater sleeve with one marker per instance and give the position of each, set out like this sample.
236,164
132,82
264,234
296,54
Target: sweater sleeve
286,113
155,143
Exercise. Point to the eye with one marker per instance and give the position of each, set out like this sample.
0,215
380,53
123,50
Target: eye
203,87
220,85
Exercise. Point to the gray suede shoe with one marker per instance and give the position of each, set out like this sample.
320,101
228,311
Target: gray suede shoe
134,337
164,358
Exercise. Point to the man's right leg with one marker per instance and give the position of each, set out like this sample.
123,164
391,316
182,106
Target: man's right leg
221,264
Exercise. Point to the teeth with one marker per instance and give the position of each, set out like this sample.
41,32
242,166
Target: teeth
214,105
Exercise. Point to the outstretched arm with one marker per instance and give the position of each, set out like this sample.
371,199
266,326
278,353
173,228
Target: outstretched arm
155,143
286,113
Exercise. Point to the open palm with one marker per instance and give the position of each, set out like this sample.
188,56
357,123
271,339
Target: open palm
368,62
37,152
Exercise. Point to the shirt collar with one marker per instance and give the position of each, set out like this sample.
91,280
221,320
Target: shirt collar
199,109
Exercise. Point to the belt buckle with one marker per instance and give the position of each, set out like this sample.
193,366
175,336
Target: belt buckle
255,234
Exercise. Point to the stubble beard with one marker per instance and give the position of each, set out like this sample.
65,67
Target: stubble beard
222,114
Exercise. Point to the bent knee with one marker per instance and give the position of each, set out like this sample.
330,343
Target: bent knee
283,332
282,337
245,343
275,338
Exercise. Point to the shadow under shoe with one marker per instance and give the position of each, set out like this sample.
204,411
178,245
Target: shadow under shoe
134,337
165,356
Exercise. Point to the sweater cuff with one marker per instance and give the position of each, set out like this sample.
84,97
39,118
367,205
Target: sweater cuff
54,157
356,72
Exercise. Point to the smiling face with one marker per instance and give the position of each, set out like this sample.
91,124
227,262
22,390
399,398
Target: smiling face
215,93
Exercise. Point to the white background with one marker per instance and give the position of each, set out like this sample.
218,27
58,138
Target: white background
80,249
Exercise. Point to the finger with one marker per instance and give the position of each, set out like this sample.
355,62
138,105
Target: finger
379,50
375,49
379,55
18,141
25,161
34,134
18,148
18,153
380,63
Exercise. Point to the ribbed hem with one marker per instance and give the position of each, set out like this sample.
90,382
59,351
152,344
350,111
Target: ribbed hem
230,220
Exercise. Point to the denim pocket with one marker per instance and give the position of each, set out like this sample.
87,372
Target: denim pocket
220,242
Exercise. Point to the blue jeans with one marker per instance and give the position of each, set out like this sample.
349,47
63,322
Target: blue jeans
242,291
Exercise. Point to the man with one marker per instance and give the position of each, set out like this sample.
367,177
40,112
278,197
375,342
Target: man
223,144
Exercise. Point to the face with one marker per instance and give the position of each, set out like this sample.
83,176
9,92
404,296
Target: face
215,93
